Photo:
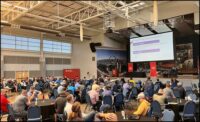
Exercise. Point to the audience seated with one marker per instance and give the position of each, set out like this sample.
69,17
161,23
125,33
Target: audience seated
144,105
67,104
168,91
21,103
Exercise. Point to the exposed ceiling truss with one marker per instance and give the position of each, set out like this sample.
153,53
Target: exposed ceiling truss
14,11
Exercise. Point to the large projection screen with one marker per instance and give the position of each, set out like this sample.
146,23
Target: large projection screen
157,47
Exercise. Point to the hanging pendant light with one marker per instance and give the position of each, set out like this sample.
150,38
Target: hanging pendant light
155,12
81,32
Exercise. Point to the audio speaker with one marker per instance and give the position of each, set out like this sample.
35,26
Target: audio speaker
93,46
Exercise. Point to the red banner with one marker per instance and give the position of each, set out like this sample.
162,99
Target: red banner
71,73
115,73
153,70
130,67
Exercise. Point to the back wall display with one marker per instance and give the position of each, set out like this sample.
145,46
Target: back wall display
111,61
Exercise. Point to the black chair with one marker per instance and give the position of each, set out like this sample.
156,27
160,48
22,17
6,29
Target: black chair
188,90
119,101
34,114
156,87
133,94
88,101
176,93
100,92
55,93
156,110
13,116
108,100
83,93
188,111
60,117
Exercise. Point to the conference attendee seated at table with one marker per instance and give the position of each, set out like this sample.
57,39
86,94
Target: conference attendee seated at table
71,87
62,86
44,94
20,104
110,117
168,92
94,97
107,91
32,94
61,102
69,103
160,97
4,101
181,90
15,85
143,105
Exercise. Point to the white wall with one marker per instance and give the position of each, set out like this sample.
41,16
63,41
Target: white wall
82,58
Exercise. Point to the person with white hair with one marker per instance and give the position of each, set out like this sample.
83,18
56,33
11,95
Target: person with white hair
143,106
181,90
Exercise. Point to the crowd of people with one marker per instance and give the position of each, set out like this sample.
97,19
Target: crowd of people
70,94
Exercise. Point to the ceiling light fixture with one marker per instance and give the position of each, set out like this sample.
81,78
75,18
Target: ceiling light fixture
142,3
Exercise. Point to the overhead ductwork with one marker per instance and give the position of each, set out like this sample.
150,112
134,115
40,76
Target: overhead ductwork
44,30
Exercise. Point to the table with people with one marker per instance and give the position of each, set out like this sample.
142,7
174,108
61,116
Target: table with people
104,98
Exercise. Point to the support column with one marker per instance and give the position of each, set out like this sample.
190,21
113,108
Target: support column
42,58
2,66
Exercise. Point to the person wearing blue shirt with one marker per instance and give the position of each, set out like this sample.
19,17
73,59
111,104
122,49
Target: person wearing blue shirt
71,87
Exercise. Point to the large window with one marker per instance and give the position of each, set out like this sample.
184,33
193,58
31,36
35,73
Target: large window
19,43
54,46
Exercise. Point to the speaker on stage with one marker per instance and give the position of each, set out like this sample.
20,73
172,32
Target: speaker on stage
93,46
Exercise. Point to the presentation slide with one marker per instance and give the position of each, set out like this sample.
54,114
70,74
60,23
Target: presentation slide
157,47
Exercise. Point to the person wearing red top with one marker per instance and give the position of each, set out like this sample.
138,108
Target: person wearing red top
4,103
